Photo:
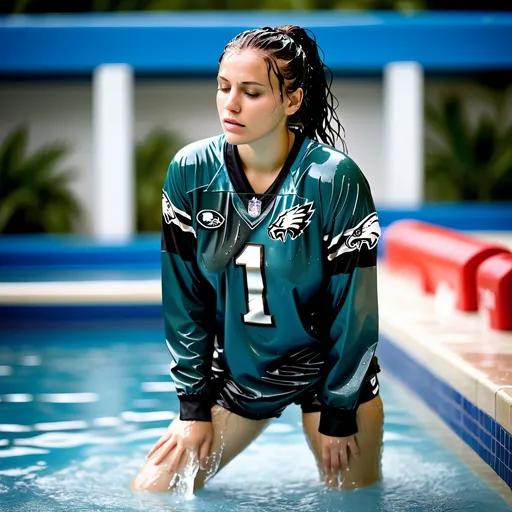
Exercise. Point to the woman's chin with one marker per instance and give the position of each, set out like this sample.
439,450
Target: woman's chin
235,139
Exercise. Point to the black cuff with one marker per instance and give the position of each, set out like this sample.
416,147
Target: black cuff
194,409
337,422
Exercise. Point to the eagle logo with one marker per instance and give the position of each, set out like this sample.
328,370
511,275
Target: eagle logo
367,232
167,209
292,221
173,215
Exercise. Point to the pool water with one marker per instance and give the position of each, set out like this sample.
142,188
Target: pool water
81,407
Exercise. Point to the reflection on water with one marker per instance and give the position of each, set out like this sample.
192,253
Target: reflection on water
76,426
68,398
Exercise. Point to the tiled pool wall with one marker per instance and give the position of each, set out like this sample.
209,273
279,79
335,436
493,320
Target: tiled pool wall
483,434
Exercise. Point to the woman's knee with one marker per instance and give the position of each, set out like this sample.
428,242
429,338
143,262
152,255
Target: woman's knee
158,478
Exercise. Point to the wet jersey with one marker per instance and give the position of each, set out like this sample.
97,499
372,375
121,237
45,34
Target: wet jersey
268,296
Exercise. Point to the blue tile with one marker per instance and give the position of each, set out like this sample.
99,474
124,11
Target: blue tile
467,422
493,446
466,436
493,428
486,439
499,469
487,456
488,423
453,425
468,406
508,478
451,413
506,473
443,411
453,395
499,452
508,441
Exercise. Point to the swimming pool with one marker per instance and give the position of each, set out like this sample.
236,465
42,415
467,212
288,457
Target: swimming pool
80,408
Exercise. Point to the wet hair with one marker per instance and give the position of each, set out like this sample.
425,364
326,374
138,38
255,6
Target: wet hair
294,56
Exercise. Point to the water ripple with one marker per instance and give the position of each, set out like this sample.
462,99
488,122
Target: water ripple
61,425
17,451
158,387
141,417
5,371
15,428
18,398
68,398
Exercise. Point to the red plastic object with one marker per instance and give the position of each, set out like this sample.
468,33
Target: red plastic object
494,284
438,256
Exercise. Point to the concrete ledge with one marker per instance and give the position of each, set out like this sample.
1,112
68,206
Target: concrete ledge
81,292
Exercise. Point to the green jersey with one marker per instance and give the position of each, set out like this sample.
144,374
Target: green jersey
269,296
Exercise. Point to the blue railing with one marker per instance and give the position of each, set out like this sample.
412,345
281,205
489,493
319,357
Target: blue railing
192,42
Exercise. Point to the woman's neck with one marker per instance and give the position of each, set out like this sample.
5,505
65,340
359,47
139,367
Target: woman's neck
267,155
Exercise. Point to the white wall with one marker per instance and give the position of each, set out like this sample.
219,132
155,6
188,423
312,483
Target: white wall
62,111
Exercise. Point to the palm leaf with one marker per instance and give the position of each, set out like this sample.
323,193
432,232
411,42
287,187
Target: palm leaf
459,157
152,157
35,195
42,163
12,152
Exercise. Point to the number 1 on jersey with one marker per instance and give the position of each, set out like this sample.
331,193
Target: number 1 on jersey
252,258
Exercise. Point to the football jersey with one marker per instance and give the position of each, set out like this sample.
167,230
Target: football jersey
267,296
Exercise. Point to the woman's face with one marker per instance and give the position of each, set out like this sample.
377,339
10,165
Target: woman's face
249,105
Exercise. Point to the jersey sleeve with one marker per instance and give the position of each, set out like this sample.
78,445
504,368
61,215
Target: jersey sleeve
350,247
188,300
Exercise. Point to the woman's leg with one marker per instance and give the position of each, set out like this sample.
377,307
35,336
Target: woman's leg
365,469
231,435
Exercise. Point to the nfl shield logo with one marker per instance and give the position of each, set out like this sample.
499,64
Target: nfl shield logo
254,207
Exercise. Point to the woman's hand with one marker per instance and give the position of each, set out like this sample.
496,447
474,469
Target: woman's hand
181,437
335,452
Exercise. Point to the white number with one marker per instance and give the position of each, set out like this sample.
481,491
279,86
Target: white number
252,258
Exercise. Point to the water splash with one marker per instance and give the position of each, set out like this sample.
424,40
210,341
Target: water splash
182,483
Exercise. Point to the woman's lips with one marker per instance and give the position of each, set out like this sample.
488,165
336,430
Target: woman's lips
230,124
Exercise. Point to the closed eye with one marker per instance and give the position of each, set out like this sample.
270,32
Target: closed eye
248,94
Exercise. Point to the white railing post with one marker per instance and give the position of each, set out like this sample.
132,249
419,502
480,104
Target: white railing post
113,213
403,134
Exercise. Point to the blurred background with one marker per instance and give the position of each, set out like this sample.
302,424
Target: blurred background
58,118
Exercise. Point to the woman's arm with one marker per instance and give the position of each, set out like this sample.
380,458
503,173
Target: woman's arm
351,251
188,298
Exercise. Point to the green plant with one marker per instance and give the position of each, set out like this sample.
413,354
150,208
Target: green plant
152,157
465,161
34,196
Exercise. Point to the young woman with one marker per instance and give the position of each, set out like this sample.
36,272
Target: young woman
269,273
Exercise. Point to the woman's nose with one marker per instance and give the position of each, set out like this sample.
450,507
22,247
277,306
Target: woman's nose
232,102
